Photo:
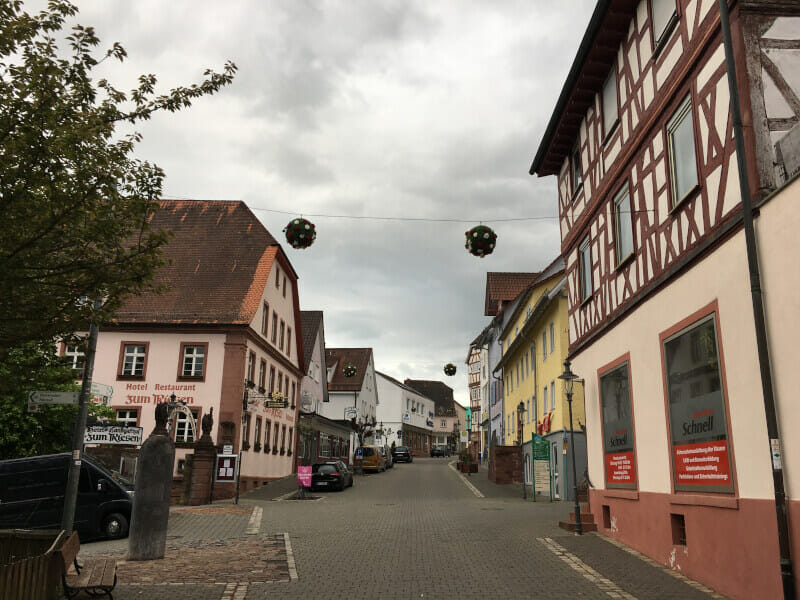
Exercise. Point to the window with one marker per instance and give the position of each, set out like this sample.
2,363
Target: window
528,411
184,430
443,423
585,268
552,337
274,327
285,389
289,341
517,373
262,374
127,417
194,360
133,359
546,409
283,439
251,367
267,431
265,319
615,404
475,368
257,435
575,165
324,445
553,394
294,389
284,286
698,423
277,278
291,434
271,380
74,356
623,224
526,368
663,15
275,439
533,358
682,161
282,337
544,345
609,98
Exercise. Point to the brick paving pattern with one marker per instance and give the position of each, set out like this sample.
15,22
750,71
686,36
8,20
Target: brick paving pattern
415,531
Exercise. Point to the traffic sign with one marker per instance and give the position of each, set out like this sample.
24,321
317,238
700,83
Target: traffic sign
42,397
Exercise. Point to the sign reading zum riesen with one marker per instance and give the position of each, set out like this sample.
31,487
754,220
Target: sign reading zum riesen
113,434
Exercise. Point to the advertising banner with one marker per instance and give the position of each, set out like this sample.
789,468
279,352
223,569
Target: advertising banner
618,428
304,476
113,434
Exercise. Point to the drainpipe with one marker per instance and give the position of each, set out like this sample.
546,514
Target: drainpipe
787,575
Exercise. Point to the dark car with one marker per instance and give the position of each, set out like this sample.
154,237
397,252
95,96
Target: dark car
334,475
402,454
440,451
32,496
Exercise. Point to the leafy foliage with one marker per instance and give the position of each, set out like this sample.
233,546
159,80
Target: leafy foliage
76,204
36,367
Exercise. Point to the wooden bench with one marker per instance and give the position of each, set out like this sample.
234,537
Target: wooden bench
96,577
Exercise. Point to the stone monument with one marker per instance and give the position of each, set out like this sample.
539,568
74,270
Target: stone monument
153,488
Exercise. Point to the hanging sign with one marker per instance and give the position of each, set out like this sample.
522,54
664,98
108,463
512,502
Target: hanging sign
113,434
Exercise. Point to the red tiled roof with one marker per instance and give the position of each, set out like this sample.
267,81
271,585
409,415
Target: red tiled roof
338,358
218,262
439,392
504,287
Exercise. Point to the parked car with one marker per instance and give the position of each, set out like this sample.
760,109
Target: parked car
440,451
333,474
32,496
387,455
372,459
402,454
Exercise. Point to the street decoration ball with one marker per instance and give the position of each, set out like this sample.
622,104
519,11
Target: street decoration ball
349,370
480,240
300,233
449,369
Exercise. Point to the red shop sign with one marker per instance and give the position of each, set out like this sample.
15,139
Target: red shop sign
619,468
704,463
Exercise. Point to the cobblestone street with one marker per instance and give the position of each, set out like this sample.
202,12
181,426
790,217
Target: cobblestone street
416,531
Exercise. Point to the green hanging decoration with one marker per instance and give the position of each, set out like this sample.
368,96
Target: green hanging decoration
449,369
300,233
349,370
480,241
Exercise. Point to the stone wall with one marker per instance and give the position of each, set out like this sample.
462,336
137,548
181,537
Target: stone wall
505,464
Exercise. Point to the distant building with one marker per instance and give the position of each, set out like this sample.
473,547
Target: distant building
405,416
449,416
226,325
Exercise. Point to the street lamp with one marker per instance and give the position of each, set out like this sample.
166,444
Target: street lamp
568,377
520,410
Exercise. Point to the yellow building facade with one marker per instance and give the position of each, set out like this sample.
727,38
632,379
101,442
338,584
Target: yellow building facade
535,343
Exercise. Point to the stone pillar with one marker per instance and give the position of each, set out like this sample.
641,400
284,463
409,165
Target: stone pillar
205,454
148,534
188,472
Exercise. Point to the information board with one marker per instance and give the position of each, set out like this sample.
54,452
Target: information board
304,477
225,470
542,478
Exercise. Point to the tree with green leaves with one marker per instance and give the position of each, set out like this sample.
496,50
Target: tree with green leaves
76,203
33,366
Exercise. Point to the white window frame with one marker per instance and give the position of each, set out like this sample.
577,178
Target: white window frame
608,85
196,360
585,268
576,174
553,394
133,358
75,356
552,338
127,417
183,431
623,221
675,123
544,345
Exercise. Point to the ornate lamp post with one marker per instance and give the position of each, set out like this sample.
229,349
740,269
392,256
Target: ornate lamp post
520,410
568,377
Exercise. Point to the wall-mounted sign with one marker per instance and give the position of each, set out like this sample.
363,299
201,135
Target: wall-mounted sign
406,417
113,434
101,393
225,470
276,403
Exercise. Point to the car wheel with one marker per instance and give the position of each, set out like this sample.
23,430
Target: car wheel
115,526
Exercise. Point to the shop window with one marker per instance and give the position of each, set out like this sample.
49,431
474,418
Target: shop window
697,416
618,443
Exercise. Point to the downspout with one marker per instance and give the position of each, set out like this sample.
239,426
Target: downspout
787,575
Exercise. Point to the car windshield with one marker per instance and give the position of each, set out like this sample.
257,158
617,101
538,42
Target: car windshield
401,449
368,451
326,469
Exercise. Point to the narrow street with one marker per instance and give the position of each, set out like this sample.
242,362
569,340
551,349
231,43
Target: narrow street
419,530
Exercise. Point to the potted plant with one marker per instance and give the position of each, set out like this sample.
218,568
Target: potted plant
257,447
245,445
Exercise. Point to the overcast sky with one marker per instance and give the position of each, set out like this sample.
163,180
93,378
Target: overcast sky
372,109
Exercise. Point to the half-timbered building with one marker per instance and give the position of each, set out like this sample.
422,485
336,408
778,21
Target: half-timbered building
661,321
